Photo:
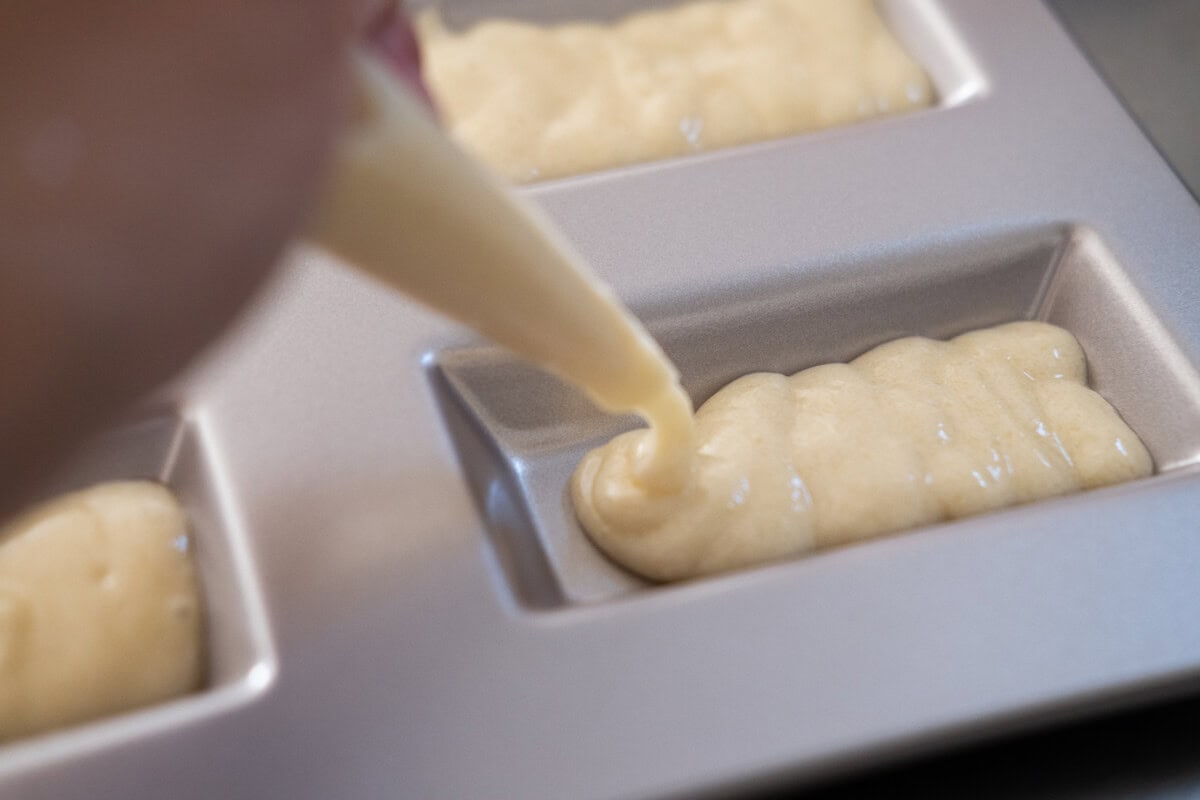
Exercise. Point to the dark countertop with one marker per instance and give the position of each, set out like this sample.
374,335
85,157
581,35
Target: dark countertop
1150,753
1149,51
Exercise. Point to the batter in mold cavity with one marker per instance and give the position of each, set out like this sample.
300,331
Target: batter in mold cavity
538,102
913,432
100,608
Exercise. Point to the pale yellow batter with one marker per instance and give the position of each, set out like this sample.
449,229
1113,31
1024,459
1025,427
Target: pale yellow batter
99,608
913,432
539,102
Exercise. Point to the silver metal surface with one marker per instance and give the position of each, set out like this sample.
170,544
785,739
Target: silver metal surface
519,431
1150,53
435,626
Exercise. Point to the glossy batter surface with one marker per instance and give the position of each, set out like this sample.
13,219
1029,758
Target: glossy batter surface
100,609
539,102
913,432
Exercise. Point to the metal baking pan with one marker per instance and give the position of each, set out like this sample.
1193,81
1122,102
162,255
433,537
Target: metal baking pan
408,609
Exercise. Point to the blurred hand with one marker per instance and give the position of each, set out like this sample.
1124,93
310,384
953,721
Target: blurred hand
155,159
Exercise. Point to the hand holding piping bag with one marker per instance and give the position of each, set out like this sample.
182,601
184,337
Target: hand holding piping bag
155,161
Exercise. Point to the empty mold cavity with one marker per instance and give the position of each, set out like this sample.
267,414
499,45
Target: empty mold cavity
239,658
921,26
520,432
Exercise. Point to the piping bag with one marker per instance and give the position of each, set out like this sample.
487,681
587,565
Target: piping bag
407,206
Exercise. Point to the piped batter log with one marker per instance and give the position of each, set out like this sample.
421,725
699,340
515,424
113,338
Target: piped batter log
913,432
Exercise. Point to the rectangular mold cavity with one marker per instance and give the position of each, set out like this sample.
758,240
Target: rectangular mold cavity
240,664
520,432
921,27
